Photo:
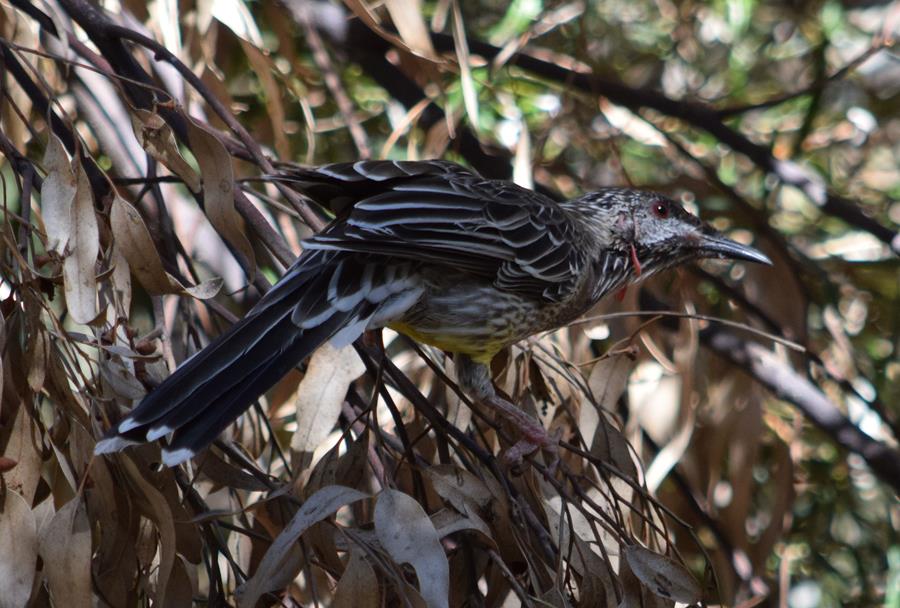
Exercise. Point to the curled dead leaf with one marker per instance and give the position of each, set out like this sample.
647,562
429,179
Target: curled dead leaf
156,137
137,247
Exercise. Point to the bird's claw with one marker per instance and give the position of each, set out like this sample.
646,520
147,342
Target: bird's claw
535,437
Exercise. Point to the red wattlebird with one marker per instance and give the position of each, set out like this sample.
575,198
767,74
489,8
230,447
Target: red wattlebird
468,264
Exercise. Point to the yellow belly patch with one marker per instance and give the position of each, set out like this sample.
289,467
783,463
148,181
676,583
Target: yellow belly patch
479,350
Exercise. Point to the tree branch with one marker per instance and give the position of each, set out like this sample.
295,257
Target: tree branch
787,384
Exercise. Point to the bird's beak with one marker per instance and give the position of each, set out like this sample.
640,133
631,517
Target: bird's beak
712,244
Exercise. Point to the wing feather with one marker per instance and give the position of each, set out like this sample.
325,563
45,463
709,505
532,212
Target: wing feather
441,213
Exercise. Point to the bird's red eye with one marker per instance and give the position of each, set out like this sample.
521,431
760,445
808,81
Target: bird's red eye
661,210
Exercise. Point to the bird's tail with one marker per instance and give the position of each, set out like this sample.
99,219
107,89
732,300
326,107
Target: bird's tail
321,298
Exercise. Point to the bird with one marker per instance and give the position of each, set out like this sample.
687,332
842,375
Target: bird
436,252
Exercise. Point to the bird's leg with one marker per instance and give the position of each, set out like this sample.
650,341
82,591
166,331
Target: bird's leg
475,379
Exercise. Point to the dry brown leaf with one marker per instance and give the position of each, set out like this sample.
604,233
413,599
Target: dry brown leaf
7,464
662,575
121,379
347,469
459,487
402,126
609,378
573,520
597,584
206,289
365,14
578,541
114,563
180,591
358,586
162,517
448,521
321,393
23,447
120,280
470,93
671,453
188,541
458,413
4,350
263,67
635,593
18,537
57,195
742,450
218,190
65,547
407,534
79,263
598,588
81,450
271,519
225,474
607,382
66,480
410,24
17,102
522,171
235,15
156,137
319,506
610,446
134,241
554,597
654,400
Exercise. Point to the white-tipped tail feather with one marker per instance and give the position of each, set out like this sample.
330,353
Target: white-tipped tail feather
158,432
216,385
176,457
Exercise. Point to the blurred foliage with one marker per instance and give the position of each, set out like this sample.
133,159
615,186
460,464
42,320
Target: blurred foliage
774,505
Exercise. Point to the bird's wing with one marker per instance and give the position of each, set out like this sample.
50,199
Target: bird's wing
438,212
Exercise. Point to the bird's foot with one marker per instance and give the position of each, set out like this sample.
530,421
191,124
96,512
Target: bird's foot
548,442
534,436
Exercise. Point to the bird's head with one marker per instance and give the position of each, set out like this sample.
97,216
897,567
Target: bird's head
654,232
